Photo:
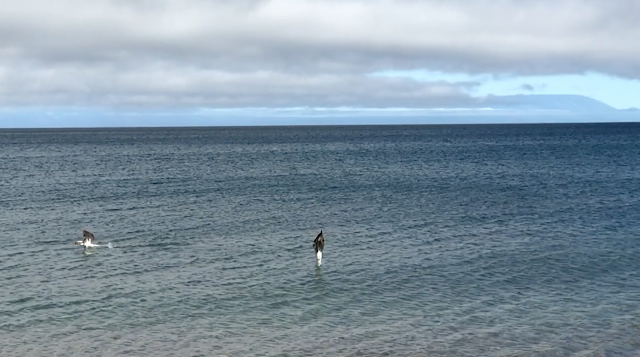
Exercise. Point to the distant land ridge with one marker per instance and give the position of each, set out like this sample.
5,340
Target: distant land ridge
555,102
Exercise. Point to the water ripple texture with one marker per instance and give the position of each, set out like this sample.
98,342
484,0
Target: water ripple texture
492,240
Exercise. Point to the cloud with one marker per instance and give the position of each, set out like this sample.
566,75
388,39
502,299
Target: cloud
527,87
304,52
158,86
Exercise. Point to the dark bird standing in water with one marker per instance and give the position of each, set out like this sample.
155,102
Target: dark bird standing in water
318,246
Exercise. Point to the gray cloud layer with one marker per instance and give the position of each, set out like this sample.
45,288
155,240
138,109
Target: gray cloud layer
298,52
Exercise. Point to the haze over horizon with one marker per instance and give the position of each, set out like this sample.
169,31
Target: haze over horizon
170,62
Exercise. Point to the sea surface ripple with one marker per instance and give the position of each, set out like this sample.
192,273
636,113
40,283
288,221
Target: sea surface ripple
489,240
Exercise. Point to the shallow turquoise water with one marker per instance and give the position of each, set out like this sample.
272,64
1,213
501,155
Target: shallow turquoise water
440,241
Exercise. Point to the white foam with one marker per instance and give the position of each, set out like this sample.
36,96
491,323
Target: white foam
319,257
91,245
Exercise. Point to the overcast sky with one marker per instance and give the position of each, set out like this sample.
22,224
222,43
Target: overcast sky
141,54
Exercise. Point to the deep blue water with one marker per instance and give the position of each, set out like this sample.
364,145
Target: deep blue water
487,240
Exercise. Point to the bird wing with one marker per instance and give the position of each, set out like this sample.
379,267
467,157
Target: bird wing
88,236
318,243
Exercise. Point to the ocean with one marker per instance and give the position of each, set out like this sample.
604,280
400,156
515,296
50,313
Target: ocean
459,240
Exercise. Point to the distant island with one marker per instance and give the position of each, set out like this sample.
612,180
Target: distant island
547,102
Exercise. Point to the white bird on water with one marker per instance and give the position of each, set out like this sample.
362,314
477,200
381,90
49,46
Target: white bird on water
318,246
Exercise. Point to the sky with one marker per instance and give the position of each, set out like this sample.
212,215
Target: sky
77,62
